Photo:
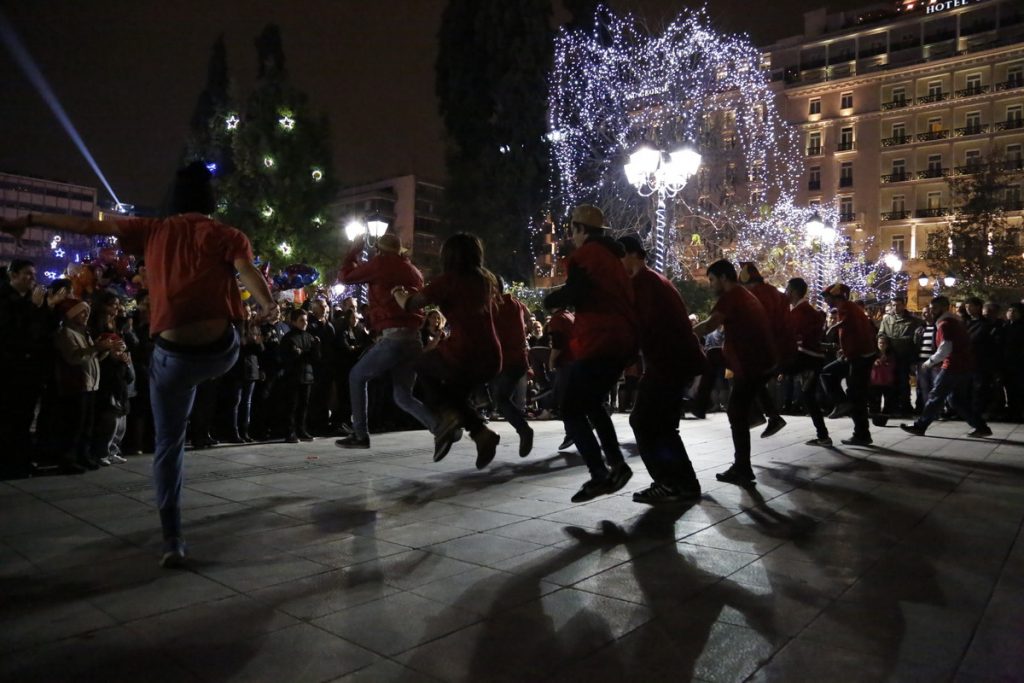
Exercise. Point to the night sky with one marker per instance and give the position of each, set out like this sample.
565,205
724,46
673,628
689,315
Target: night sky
128,73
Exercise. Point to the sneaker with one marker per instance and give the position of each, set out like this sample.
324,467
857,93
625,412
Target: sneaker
174,556
353,441
590,490
619,477
857,441
736,475
774,426
660,493
118,459
980,433
842,410
525,442
567,442
105,461
913,429
486,447
825,441
305,436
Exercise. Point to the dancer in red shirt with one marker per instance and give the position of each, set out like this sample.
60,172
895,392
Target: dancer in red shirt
672,358
603,341
808,327
746,354
776,306
510,316
559,329
857,349
471,355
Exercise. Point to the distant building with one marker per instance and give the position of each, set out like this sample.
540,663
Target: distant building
411,207
23,194
893,99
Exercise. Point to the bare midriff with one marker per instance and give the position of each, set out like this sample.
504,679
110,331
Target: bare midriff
196,334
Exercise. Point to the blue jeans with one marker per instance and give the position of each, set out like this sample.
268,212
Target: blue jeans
173,378
590,381
395,352
957,387
509,393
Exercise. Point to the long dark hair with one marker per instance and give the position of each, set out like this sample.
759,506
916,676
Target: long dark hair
463,254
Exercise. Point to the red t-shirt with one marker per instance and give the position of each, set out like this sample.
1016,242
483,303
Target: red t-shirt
747,351
606,321
189,267
949,328
384,272
857,336
473,345
560,326
671,350
510,323
776,305
808,325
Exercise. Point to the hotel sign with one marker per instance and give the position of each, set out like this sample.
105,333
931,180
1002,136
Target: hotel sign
934,6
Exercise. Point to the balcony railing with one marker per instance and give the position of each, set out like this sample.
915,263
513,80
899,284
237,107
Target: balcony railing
846,181
971,91
896,104
901,176
895,215
897,140
1009,124
847,218
1013,165
933,97
814,151
934,172
1010,84
934,212
933,135
846,146
969,169
979,129
813,184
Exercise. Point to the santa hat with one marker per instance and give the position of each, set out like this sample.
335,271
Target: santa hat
70,308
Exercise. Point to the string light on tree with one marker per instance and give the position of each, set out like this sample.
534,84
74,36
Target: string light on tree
59,253
285,249
267,212
232,122
286,122
268,162
317,175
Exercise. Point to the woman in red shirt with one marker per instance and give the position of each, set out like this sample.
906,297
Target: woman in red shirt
470,355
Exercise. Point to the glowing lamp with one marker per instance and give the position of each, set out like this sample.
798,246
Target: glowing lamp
829,235
377,226
642,164
814,225
684,163
893,262
922,280
338,289
354,230
949,280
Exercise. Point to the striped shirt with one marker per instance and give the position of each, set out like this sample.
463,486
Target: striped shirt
927,343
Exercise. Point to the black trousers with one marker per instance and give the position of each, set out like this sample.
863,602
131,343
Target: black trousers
741,401
448,389
808,370
297,402
18,398
590,381
78,414
655,423
857,373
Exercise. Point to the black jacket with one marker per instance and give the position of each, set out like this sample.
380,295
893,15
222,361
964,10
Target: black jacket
298,351
26,331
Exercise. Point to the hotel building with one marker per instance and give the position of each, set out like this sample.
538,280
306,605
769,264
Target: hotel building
891,101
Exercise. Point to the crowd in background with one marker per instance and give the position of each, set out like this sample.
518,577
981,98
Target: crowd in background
76,372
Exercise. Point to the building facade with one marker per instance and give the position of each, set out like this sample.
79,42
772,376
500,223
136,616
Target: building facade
893,100
23,194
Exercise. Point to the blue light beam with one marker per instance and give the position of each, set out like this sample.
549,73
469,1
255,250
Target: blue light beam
35,76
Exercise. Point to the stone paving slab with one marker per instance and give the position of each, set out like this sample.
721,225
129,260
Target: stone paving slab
898,562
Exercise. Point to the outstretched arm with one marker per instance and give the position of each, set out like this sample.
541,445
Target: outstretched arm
253,281
72,224
709,325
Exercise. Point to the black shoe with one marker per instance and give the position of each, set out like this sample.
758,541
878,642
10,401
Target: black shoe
821,441
486,447
660,493
525,442
619,477
699,414
235,438
736,475
757,421
880,420
842,410
567,442
174,556
775,425
591,490
857,441
353,441
980,433
913,429
291,438
305,436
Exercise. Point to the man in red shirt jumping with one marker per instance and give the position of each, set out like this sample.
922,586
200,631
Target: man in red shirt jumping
603,340
192,262
746,354
672,358
808,327
953,356
857,350
508,389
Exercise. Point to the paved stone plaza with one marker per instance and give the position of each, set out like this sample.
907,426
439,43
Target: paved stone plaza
900,562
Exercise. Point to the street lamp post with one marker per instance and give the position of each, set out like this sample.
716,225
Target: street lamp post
816,231
895,264
653,171
371,230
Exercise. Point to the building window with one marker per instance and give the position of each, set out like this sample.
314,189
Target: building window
899,170
846,174
972,158
898,245
815,106
934,89
899,133
814,178
934,165
814,143
1014,114
1014,159
899,95
934,200
1015,75
899,206
846,139
973,84
973,123
1012,198
935,124
846,100
846,209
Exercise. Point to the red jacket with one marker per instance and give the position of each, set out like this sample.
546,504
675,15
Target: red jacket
776,306
671,351
510,323
384,272
857,336
560,329
605,317
949,328
808,326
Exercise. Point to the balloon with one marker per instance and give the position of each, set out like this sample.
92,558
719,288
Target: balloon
246,294
296,276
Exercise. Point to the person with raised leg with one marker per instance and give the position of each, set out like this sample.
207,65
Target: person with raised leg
857,350
808,326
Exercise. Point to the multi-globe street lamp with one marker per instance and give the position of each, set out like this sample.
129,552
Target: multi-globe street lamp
665,174
370,230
